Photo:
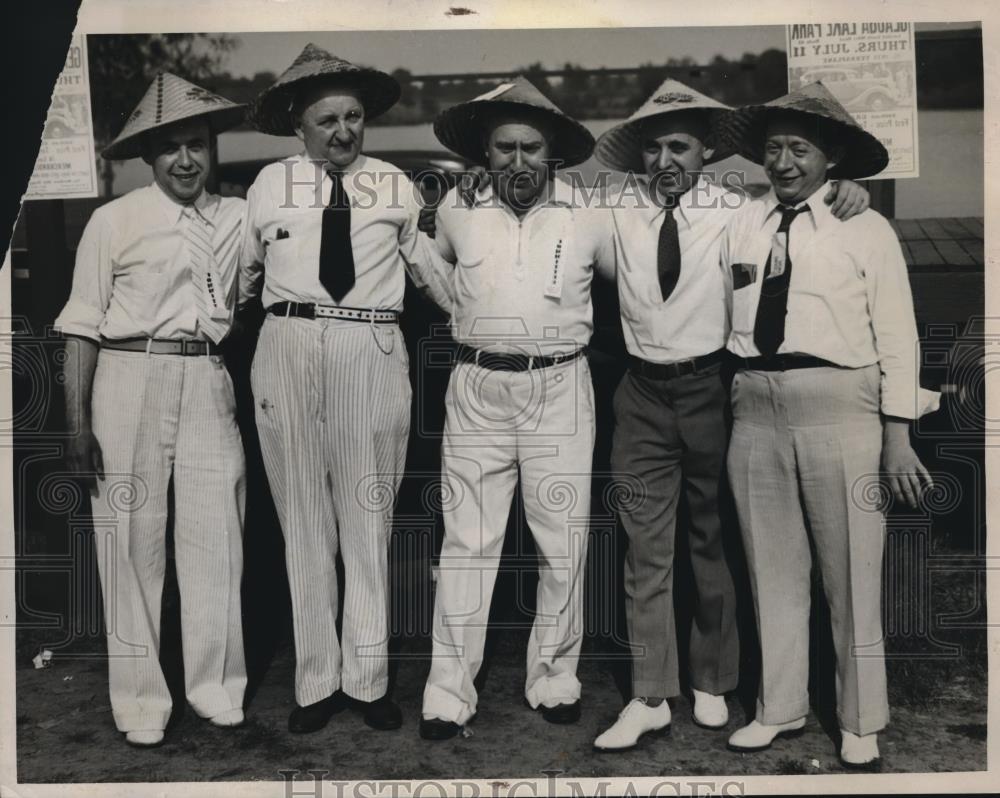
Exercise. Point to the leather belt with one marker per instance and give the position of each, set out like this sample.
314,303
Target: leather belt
783,363
161,346
308,310
503,361
668,371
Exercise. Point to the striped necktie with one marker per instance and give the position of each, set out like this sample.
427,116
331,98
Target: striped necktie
212,311
769,327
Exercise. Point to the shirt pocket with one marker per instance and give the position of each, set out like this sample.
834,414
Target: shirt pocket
473,249
745,291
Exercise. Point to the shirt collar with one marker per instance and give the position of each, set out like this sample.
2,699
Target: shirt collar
354,166
689,207
205,204
557,193
820,213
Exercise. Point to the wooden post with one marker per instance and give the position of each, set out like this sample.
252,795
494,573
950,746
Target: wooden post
50,276
883,196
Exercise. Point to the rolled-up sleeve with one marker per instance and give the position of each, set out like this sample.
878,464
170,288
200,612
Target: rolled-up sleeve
890,304
93,274
428,270
251,267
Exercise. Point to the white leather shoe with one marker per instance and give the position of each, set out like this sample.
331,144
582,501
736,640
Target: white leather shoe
758,737
859,752
144,739
710,711
228,719
637,719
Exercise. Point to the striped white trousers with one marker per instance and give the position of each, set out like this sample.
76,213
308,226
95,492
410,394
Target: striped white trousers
332,401
153,416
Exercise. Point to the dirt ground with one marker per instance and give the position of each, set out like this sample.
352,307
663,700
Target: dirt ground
66,734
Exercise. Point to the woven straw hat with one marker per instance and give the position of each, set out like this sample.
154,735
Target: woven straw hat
864,154
621,146
271,112
170,99
461,127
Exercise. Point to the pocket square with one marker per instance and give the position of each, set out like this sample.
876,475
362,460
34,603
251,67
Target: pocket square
282,233
743,274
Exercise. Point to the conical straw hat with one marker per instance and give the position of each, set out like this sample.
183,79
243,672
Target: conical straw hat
271,112
864,154
461,127
621,146
170,99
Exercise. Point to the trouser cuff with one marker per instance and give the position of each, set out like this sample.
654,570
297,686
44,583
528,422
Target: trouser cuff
774,713
651,688
441,704
141,721
316,692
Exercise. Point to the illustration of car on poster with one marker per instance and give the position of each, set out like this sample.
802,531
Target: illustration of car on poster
857,90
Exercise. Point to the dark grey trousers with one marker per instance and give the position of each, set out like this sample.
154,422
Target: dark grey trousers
671,435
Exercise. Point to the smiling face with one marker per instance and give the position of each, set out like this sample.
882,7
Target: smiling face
673,152
796,158
331,124
181,155
517,151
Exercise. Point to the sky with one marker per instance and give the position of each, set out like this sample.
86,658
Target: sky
444,51
438,52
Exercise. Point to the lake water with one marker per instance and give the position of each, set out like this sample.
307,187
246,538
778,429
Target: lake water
950,182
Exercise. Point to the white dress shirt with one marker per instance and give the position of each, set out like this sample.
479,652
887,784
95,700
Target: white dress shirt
849,297
693,320
284,230
132,276
522,285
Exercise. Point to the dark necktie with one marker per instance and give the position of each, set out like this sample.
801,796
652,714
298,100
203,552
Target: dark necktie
668,254
769,328
336,256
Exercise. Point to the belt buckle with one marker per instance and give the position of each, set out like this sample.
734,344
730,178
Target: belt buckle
189,347
686,367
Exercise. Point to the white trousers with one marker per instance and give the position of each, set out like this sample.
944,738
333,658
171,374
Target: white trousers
499,424
153,416
332,401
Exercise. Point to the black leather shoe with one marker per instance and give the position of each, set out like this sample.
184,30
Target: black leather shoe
382,714
314,717
437,729
561,713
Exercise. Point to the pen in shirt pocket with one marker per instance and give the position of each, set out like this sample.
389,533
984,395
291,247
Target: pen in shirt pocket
280,235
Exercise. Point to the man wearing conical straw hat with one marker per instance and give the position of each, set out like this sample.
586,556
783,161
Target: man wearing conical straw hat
824,332
149,396
671,405
329,234
519,406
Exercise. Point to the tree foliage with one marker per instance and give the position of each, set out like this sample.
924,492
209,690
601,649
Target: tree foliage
123,65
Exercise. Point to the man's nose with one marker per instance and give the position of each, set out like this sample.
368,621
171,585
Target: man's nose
518,158
183,157
663,160
784,161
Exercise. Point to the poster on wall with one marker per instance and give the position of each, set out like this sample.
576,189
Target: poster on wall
871,69
66,168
